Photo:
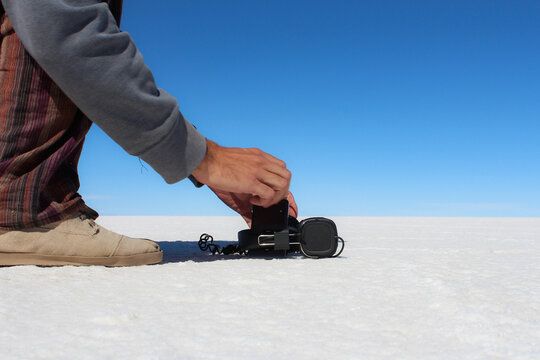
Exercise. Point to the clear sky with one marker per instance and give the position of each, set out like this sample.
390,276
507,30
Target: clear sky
379,108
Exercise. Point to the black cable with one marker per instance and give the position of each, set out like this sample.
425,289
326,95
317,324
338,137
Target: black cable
342,246
206,242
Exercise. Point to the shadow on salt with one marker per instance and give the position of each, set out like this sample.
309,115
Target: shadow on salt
181,251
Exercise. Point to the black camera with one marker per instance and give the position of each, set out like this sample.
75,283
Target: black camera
272,229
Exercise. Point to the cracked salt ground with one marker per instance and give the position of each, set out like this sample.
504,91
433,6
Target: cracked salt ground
407,288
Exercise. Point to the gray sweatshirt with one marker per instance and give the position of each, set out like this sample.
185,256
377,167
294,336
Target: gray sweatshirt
78,43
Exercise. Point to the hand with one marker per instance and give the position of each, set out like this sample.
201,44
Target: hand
241,203
255,177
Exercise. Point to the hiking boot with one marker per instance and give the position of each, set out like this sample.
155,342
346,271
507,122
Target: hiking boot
76,241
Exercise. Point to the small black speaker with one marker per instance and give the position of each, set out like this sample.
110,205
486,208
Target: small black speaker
319,237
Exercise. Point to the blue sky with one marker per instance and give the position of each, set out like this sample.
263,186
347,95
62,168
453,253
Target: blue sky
379,108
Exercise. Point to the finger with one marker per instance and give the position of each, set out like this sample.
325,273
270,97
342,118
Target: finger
247,219
293,207
293,212
242,204
278,184
266,202
256,200
278,170
279,196
263,195
274,181
262,202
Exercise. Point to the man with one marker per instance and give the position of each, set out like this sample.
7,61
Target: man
64,64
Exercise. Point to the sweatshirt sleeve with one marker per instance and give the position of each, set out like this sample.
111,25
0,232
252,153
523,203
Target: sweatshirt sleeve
78,43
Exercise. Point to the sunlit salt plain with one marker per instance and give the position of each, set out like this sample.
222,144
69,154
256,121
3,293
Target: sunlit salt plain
404,288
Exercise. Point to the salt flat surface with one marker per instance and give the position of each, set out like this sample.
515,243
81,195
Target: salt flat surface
404,288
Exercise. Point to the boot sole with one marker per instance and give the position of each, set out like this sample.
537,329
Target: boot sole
12,259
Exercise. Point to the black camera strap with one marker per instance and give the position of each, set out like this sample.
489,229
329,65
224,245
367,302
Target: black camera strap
280,240
305,238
